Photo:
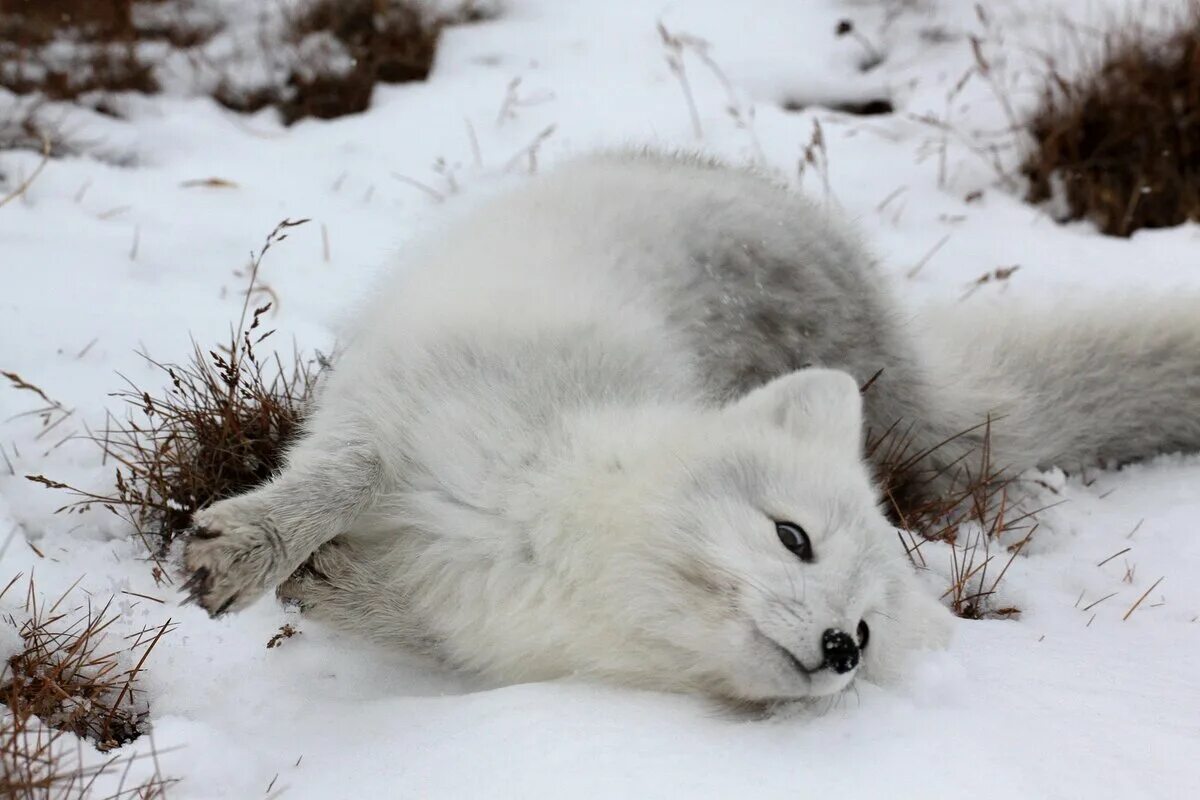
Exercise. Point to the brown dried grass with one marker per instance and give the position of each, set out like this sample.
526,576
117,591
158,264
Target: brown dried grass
219,427
388,41
378,41
970,510
69,679
105,55
1121,144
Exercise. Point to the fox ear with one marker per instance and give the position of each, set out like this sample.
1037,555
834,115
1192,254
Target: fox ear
810,403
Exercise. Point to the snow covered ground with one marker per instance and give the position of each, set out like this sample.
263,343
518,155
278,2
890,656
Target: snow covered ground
120,250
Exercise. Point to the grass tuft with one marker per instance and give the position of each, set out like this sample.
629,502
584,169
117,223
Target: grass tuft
67,678
345,48
317,58
1121,145
102,41
218,428
970,511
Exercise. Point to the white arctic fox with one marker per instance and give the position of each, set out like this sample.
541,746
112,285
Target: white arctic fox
582,433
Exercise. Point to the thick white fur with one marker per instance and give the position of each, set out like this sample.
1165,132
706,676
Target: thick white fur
1076,383
524,463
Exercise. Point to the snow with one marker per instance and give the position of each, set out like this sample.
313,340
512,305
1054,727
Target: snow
112,248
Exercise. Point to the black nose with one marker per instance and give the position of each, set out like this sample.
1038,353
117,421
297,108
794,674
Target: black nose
841,652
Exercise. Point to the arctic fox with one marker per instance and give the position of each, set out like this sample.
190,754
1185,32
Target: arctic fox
611,426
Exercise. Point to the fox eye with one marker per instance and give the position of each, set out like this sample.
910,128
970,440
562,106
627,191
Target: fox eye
795,540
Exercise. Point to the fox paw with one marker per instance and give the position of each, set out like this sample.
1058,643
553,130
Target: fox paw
234,554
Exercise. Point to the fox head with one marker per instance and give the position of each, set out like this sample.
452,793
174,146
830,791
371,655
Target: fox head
738,552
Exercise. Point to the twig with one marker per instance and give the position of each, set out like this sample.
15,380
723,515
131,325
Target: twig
1114,555
25,184
530,150
1090,606
134,672
1140,599
912,273
437,196
674,56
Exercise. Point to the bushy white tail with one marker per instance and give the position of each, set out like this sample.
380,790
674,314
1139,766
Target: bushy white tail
1070,386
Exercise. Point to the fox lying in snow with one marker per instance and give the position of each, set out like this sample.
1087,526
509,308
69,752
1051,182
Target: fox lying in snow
579,434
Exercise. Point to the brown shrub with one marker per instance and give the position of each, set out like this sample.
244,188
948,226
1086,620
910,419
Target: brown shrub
38,21
66,679
343,48
104,55
324,63
1123,141
970,511
219,427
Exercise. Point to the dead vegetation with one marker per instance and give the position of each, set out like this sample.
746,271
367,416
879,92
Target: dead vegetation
315,58
68,677
346,48
218,427
677,47
972,513
1120,145
286,631
101,39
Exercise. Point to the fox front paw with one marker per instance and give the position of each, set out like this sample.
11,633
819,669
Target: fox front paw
235,553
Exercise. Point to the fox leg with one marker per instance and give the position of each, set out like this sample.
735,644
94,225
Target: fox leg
243,546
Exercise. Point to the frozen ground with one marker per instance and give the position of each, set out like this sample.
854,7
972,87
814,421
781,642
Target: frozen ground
97,260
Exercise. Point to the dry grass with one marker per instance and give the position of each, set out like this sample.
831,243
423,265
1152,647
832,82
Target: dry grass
971,511
218,428
676,48
348,47
286,631
1121,145
104,54
324,63
69,678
